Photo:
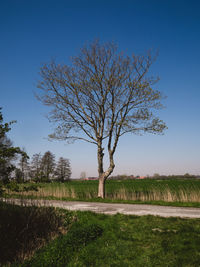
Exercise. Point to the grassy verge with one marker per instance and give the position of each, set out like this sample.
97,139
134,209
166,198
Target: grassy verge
23,230
89,239
102,240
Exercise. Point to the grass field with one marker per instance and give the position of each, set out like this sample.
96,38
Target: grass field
88,239
173,192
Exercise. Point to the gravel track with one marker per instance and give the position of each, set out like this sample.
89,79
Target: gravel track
113,208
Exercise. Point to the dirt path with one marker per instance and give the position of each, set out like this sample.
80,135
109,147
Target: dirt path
113,208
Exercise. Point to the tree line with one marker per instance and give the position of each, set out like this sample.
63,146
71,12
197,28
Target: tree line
43,168
16,164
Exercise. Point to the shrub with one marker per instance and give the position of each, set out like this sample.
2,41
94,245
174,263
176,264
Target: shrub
24,229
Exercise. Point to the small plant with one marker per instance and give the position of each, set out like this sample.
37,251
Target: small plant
12,186
31,187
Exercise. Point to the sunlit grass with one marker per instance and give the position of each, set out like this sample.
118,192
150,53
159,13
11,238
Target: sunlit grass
47,237
102,240
148,190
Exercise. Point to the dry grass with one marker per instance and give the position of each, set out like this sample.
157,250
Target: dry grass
57,192
154,195
24,230
166,194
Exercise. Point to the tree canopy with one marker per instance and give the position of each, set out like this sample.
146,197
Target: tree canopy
102,95
7,151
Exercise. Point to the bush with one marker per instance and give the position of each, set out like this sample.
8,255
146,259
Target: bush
1,189
24,229
31,187
13,186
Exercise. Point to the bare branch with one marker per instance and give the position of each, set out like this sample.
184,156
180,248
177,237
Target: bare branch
103,94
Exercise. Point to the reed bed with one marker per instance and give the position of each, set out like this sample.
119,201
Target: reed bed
134,190
154,195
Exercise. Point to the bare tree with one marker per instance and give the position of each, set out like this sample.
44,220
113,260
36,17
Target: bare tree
63,170
83,175
47,166
103,95
24,166
36,166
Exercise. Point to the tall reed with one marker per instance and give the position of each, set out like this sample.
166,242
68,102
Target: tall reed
155,195
146,190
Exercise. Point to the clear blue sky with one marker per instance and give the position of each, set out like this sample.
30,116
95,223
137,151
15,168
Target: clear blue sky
32,32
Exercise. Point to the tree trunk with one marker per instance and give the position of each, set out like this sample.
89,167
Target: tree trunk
102,179
103,175
101,188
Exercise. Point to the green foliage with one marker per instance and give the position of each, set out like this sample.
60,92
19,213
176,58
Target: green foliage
1,189
13,186
31,187
9,186
7,151
43,178
23,230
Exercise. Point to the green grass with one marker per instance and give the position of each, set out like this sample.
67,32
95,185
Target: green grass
181,192
102,240
89,239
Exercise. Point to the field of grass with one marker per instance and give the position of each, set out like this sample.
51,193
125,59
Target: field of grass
89,239
173,192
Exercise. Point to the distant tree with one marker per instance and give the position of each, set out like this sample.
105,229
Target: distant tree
18,175
187,175
47,166
63,170
8,153
156,175
24,166
83,175
36,167
103,94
